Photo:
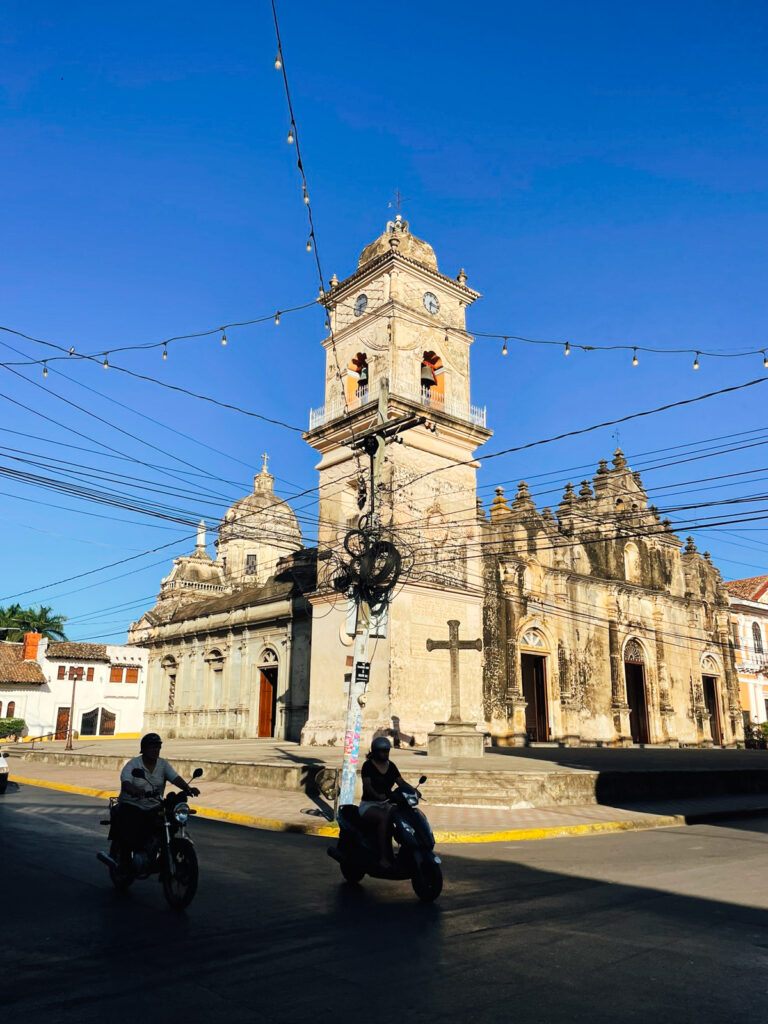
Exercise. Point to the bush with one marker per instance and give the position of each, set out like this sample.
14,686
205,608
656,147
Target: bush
12,727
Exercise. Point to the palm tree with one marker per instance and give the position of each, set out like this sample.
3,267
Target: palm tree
15,621
43,620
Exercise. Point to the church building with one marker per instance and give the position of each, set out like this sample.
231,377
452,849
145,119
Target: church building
596,625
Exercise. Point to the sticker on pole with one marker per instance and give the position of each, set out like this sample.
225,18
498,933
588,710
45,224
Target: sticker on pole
363,672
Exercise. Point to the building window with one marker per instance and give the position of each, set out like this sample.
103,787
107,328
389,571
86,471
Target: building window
250,565
735,635
76,672
757,638
62,672
89,674
631,563
131,675
116,674
1,709
11,709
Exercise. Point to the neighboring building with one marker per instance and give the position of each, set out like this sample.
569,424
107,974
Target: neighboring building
228,640
597,627
602,630
37,679
749,623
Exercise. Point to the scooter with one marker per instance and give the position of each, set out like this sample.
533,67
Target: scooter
357,851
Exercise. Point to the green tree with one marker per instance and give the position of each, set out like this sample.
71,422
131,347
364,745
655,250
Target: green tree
15,621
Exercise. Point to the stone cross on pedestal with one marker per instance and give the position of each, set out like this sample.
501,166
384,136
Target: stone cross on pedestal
455,738
454,645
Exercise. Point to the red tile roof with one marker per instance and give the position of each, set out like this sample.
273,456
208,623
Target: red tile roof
751,589
13,668
71,650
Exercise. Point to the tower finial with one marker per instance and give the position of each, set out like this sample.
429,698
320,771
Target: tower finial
201,535
264,461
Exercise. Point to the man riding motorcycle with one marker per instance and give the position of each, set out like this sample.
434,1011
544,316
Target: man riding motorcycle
139,798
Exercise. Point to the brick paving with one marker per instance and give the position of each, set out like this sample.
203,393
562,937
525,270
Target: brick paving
299,811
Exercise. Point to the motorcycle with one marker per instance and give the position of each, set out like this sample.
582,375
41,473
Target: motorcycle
357,851
170,853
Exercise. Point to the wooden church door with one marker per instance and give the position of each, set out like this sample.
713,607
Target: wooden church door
268,686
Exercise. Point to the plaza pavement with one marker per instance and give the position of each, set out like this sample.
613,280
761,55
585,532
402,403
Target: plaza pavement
291,811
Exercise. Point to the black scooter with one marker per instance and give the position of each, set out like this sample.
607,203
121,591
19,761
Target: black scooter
357,850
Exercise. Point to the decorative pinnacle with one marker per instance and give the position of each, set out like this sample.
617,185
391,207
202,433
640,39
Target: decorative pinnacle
461,277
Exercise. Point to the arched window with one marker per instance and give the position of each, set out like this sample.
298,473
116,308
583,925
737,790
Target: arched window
215,661
1,709
633,653
757,638
11,709
432,379
532,638
358,376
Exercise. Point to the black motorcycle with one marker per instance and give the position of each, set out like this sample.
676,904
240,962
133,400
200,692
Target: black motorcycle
170,853
357,851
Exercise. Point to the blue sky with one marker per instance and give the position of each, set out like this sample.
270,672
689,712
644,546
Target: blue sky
600,172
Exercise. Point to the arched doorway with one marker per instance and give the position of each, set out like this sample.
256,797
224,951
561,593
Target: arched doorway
533,674
267,694
637,698
709,685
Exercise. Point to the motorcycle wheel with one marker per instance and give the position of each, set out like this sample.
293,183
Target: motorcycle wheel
352,874
180,887
121,880
427,882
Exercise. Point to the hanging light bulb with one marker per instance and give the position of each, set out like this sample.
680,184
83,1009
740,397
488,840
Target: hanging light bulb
45,369
223,336
277,318
327,323
696,362
72,350
306,196
278,61
504,349
165,351
765,360
309,244
290,140
105,364
634,357
567,348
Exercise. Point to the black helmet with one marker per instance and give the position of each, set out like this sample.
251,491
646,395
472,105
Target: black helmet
381,743
151,740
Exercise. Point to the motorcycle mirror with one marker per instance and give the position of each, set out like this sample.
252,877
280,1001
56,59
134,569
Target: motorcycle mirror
197,773
138,773
422,780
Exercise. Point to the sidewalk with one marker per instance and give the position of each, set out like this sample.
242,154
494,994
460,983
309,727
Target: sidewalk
284,811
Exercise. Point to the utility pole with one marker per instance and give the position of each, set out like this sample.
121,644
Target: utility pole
68,745
373,578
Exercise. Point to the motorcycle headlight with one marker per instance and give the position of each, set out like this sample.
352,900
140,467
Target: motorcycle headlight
181,813
412,799
408,829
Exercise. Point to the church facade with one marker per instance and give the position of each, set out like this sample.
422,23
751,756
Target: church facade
597,625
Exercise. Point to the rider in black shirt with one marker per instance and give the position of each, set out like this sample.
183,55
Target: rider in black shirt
380,776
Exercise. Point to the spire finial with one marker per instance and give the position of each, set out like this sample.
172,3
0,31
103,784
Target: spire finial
201,535
264,461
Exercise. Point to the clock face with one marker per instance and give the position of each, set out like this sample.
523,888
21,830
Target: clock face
430,302
360,304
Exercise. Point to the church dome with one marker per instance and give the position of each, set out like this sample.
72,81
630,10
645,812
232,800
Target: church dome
398,238
256,532
193,575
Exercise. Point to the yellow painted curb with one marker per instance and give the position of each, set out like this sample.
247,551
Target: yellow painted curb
445,837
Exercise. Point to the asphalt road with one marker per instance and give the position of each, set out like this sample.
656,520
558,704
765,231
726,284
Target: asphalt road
670,925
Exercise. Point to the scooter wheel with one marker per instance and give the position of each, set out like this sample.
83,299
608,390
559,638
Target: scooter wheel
427,882
351,874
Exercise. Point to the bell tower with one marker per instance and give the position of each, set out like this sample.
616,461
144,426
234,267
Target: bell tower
398,344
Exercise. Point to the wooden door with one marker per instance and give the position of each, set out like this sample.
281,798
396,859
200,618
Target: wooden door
638,706
62,723
267,702
535,694
710,699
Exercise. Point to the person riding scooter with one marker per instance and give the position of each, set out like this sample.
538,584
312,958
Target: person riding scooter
138,802
380,776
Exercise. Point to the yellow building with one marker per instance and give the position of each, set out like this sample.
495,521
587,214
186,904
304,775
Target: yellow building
748,599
